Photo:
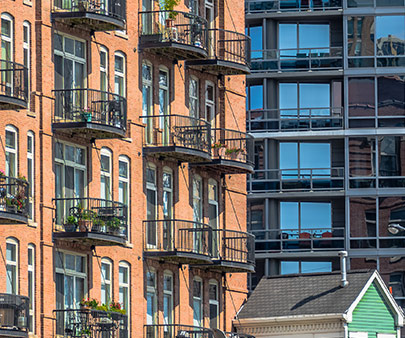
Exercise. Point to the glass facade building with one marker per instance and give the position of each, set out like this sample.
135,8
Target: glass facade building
326,106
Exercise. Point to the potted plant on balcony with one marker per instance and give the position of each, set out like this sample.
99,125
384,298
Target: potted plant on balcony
85,332
86,114
113,226
85,218
87,303
234,152
70,224
168,5
218,149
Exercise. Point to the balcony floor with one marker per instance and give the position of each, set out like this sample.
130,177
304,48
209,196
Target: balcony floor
9,333
178,257
230,266
219,67
12,103
90,238
90,20
225,166
88,130
12,218
181,154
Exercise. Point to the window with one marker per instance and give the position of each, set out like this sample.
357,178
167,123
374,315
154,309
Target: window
290,267
213,213
151,299
31,172
167,299
193,6
197,302
119,78
7,41
105,177
306,216
358,334
70,177
197,199
147,99
11,151
123,183
70,65
210,114
106,277
167,193
214,305
103,69
124,284
151,205
12,266
296,36
255,97
31,287
256,35
26,44
71,283
193,98
390,34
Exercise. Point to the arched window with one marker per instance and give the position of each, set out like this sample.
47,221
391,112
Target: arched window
31,287
214,304
119,74
197,301
7,38
105,176
167,298
11,151
106,281
194,101
27,46
151,205
124,283
103,69
31,172
213,213
147,99
123,186
12,266
197,199
151,297
210,113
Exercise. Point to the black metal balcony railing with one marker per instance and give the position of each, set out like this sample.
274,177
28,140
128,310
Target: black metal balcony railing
268,6
92,109
234,248
228,53
13,200
290,240
90,323
288,180
13,85
177,34
14,311
295,119
172,237
99,15
95,219
297,59
185,135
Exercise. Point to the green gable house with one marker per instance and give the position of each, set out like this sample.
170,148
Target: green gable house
322,305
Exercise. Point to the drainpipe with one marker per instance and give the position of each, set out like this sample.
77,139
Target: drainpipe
343,255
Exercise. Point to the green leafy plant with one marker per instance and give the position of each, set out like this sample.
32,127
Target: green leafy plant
233,151
85,332
168,5
92,303
114,224
71,220
116,307
217,145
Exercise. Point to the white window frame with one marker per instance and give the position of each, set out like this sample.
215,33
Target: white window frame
214,302
10,39
105,281
104,69
169,191
14,151
211,104
386,335
194,98
120,74
164,112
200,300
65,271
209,4
31,288
125,285
125,181
107,174
213,185
198,198
153,187
151,290
27,47
358,334
13,283
148,110
168,294
31,175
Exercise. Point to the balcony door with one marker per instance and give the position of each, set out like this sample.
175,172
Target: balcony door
164,106
210,17
147,100
151,207
6,38
214,215
198,213
168,231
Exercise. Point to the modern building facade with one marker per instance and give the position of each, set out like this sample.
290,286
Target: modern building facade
123,163
326,101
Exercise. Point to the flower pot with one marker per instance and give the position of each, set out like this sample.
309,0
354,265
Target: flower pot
85,225
169,23
69,227
86,116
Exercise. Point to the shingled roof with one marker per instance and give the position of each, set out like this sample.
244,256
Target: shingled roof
308,294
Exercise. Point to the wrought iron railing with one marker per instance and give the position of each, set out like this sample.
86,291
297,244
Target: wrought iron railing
233,246
229,46
177,130
14,310
266,6
14,196
112,8
232,145
174,235
311,179
92,215
237,335
90,105
316,239
177,331
294,119
90,323
276,60
173,27
13,80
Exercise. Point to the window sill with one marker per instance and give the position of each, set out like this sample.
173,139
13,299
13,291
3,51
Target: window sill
127,139
121,35
27,2
32,224
129,245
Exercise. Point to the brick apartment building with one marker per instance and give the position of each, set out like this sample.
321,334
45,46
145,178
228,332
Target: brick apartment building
123,156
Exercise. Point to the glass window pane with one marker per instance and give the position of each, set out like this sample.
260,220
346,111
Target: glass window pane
308,267
316,215
70,153
314,95
390,34
289,215
313,36
69,46
361,156
10,139
288,155
361,97
315,155
105,163
288,95
391,95
123,169
363,218
289,267
360,36
11,252
256,97
288,36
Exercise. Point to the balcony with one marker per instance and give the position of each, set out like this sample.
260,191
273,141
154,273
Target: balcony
89,113
297,180
232,152
228,54
96,15
13,315
282,241
277,6
89,323
174,34
13,86
290,120
187,331
233,251
177,137
90,221
13,200
297,60
179,241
